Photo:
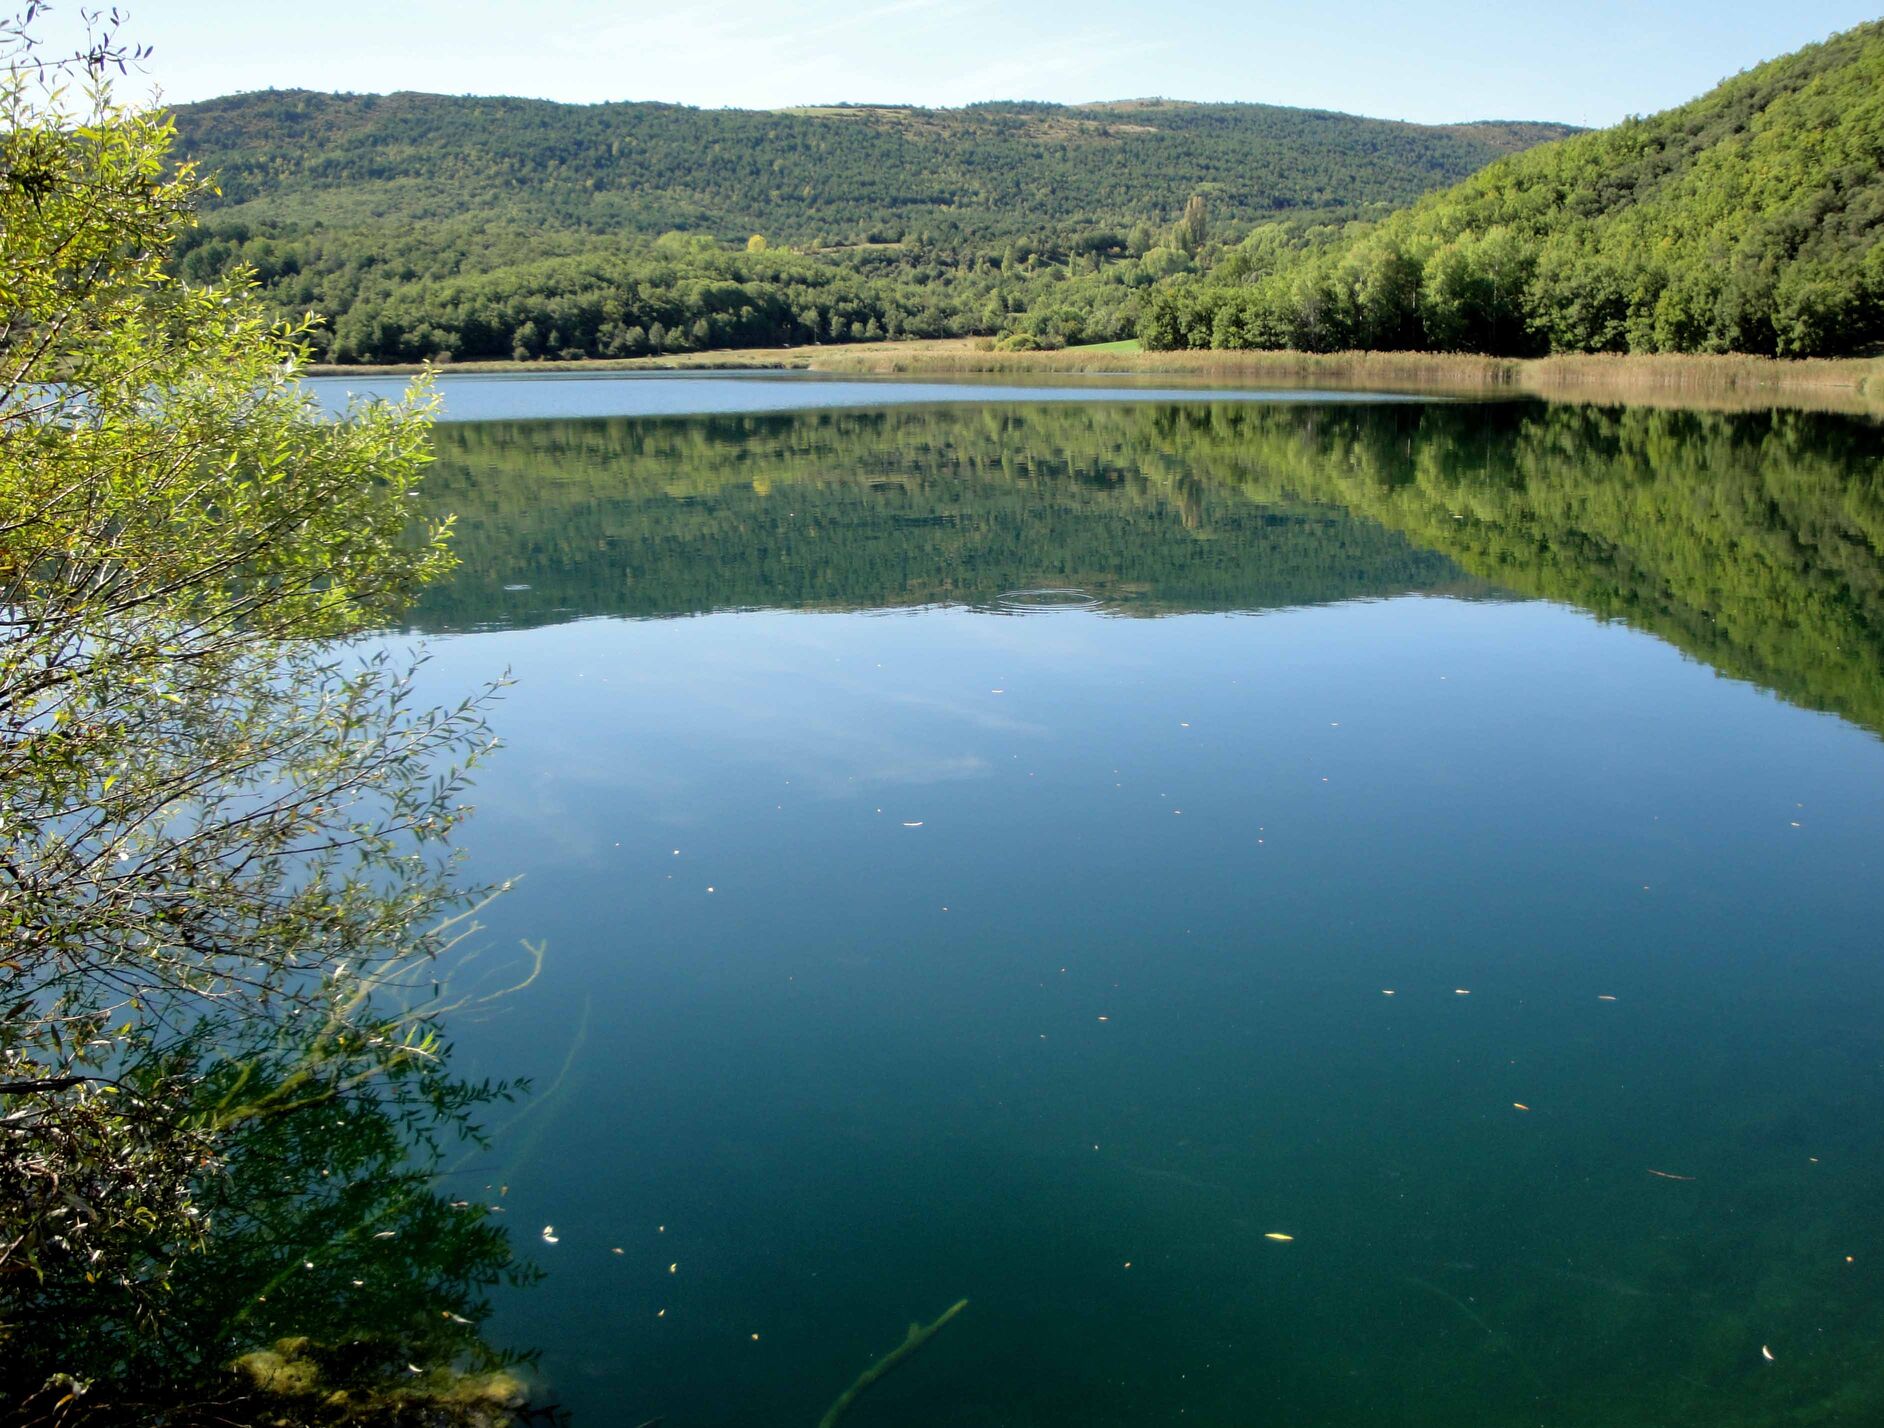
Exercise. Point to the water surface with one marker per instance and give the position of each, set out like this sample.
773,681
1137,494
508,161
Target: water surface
1040,853
511,396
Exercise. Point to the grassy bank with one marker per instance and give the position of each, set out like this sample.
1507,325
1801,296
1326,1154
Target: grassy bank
1853,384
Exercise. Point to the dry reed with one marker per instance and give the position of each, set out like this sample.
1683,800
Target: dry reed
1733,381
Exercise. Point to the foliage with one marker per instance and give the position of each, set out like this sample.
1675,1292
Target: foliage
319,1233
489,294
1745,221
218,829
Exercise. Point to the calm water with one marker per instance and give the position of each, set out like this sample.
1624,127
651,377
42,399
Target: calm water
528,396
1039,854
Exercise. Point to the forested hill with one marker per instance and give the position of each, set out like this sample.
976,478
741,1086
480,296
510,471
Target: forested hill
834,175
1749,220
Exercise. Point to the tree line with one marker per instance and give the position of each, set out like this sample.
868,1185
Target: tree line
525,297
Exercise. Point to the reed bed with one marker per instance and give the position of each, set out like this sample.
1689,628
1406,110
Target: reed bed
1730,381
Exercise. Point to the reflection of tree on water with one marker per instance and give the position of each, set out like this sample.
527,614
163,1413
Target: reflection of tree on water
332,1280
1753,541
860,510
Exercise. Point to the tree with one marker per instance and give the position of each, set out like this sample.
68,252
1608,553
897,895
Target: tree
1474,294
1813,308
218,820
1389,298
1744,221
1193,227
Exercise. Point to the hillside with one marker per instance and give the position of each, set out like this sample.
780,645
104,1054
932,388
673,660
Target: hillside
1747,220
829,176
423,226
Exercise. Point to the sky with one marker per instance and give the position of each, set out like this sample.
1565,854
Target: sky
1399,59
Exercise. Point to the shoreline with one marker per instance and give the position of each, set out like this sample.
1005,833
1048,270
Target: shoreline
1853,385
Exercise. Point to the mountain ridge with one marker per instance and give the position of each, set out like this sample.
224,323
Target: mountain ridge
1010,167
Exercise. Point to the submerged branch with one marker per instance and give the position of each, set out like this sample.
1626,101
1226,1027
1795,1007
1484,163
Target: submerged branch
919,1334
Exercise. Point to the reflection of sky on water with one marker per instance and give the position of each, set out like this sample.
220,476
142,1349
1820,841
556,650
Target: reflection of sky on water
508,396
928,952
837,1058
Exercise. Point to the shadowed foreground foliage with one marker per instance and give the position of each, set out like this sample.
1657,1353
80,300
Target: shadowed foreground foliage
330,1284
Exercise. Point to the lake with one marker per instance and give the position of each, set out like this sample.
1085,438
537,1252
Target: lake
1323,912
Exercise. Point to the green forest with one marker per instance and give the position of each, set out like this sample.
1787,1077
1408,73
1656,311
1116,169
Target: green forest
427,227
424,226
1745,221
820,178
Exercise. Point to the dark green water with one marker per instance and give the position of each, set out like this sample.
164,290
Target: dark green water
911,937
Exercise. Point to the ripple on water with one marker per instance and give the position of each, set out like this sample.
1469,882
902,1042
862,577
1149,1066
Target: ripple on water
1047,600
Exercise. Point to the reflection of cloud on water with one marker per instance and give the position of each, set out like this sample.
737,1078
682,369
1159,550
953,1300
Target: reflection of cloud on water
824,762
972,714
935,771
552,819
901,771
647,732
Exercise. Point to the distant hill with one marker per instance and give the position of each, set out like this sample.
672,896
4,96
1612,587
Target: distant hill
840,174
1749,220
423,226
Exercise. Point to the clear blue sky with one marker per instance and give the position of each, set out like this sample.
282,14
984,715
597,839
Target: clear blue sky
1402,59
